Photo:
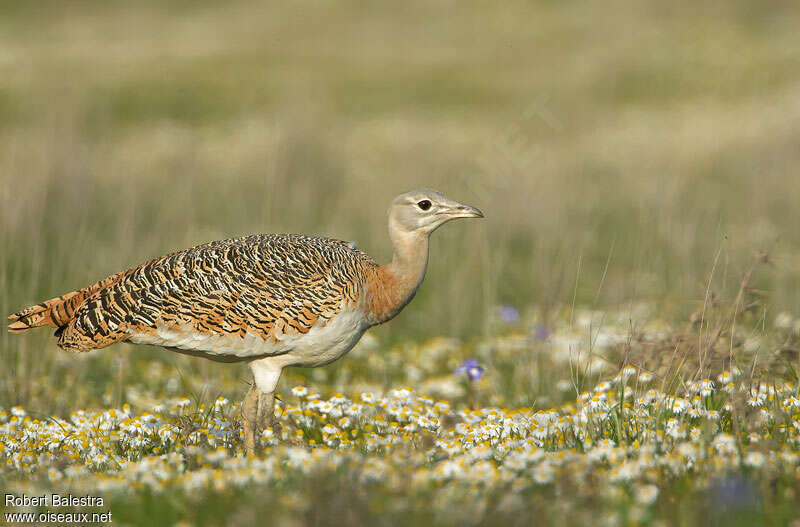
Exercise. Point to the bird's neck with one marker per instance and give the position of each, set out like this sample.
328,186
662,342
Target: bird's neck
393,285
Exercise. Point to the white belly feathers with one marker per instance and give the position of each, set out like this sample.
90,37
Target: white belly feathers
321,345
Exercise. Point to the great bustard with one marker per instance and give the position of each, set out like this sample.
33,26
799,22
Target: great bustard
271,300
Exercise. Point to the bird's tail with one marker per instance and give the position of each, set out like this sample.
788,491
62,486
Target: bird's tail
56,312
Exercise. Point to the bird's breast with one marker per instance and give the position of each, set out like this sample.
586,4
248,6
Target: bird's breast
387,293
324,344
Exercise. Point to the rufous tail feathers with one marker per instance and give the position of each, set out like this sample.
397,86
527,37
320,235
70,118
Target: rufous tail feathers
56,312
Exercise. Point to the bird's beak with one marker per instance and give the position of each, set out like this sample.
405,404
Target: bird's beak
459,210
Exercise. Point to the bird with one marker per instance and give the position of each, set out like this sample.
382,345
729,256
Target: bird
270,300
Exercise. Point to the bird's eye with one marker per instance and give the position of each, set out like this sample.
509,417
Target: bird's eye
424,204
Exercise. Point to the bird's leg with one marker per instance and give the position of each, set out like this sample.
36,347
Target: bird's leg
259,406
250,413
258,412
266,413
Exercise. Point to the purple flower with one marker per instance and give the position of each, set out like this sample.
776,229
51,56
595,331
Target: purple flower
541,332
471,367
733,492
508,314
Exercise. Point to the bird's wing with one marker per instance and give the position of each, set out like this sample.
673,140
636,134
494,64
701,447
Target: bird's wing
222,295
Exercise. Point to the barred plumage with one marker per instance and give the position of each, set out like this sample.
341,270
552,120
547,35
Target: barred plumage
266,285
272,300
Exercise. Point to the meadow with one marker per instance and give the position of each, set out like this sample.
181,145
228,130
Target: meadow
632,297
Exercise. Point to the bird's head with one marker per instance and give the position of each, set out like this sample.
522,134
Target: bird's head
423,211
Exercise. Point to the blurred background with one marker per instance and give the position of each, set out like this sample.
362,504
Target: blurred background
622,153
